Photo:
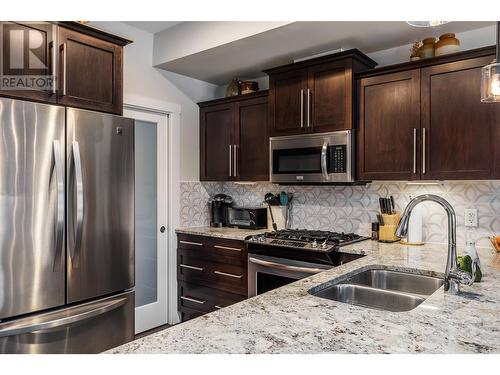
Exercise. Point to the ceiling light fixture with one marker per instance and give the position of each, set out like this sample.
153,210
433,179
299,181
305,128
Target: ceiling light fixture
490,77
426,23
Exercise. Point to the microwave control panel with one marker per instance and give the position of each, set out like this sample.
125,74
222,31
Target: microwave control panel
338,159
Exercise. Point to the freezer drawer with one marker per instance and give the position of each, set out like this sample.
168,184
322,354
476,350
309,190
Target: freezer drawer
86,328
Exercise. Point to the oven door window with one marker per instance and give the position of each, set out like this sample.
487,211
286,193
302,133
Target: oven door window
297,160
267,282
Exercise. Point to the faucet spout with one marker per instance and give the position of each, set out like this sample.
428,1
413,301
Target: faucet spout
453,276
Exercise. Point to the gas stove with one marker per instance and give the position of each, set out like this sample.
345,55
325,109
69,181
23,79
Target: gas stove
303,239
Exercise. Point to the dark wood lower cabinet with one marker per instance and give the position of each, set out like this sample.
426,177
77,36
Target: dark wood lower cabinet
211,274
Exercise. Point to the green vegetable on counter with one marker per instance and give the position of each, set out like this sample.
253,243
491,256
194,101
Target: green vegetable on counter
465,264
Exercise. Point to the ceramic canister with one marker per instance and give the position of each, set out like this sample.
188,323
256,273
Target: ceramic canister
427,48
447,44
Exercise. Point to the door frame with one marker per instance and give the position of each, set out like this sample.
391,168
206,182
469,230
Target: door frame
170,197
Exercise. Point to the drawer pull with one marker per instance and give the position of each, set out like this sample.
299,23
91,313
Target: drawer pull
219,307
191,243
228,274
191,267
198,301
227,248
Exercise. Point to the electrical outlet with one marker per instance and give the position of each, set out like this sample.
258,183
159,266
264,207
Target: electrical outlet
471,217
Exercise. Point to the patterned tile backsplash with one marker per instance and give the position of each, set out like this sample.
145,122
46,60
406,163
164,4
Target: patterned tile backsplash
353,208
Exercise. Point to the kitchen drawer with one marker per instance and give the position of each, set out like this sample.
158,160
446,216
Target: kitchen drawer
194,299
214,249
228,277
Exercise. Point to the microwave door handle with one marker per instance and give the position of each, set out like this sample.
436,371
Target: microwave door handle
324,168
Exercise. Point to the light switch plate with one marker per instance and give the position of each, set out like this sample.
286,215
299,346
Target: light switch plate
471,217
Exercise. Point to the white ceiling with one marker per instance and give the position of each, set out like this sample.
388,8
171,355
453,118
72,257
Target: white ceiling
152,26
247,57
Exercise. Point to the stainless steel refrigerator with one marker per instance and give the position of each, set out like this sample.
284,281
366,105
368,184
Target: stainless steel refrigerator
66,229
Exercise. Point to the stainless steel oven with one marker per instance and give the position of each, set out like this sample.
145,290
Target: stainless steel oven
266,273
313,158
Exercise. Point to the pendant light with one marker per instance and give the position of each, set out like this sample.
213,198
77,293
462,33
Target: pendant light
490,77
426,23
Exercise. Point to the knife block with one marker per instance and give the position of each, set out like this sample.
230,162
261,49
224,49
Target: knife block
387,232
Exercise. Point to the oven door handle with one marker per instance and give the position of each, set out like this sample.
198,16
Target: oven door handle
285,267
324,153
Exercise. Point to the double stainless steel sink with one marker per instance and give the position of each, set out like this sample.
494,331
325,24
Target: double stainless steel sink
382,289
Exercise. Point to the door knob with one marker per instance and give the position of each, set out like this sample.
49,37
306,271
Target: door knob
162,229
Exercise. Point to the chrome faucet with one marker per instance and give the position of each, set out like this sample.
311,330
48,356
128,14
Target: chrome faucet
453,275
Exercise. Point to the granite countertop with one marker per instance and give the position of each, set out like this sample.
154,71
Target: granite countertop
289,320
224,232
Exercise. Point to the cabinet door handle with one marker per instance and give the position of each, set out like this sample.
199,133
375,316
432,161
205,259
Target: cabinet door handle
423,150
228,274
414,150
64,53
227,248
190,267
230,157
308,107
198,301
235,162
219,307
301,108
191,243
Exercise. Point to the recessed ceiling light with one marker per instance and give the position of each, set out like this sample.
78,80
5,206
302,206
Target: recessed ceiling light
426,23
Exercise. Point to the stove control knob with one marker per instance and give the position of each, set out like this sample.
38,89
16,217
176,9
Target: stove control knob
314,243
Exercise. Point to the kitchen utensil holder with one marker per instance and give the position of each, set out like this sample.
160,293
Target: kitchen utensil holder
387,232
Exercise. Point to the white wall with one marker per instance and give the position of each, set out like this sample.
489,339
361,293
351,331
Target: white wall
141,79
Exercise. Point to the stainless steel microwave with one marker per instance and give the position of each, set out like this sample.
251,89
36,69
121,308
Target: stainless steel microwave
312,158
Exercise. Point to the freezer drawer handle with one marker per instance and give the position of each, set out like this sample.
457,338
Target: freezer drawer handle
285,267
58,165
77,165
27,326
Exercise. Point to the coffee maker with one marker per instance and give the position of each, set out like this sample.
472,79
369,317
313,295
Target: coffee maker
218,209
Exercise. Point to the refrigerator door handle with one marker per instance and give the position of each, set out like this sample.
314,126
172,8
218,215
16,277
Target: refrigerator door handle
58,164
77,164
31,325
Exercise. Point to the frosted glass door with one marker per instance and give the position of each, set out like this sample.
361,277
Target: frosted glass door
146,214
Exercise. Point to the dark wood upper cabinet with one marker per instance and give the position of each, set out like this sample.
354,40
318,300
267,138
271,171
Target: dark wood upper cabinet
216,142
28,51
287,102
389,127
459,130
84,65
315,95
234,143
91,72
252,140
433,104
330,96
